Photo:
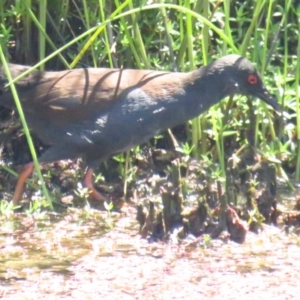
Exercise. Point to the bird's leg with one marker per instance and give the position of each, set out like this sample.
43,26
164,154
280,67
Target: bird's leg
25,173
88,182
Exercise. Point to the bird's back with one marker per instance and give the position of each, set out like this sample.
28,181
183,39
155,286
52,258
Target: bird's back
92,105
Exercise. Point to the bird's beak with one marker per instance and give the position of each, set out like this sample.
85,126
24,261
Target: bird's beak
264,95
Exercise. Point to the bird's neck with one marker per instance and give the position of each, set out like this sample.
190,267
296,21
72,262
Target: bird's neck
177,102
201,91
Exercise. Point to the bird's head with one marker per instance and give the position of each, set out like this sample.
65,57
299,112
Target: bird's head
241,77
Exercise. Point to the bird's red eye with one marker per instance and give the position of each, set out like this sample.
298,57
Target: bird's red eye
252,79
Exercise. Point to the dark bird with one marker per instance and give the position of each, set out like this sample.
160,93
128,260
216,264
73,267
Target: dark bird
95,113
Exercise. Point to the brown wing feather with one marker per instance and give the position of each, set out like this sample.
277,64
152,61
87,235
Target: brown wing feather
79,94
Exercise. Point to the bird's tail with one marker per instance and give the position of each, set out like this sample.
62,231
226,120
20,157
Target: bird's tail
24,83
17,70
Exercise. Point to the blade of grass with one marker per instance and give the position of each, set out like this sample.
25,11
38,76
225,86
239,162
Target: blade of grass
42,39
25,127
297,78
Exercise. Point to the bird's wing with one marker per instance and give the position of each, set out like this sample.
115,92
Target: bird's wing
77,95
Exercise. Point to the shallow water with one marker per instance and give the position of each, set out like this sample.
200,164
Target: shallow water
85,254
